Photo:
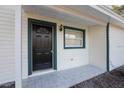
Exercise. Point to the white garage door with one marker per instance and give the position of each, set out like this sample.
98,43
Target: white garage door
116,47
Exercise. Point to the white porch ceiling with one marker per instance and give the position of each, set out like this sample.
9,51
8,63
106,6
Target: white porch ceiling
77,14
66,13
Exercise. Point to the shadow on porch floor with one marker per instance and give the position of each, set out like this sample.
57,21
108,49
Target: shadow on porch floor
62,79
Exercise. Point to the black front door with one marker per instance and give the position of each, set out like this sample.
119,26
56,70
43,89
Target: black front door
42,47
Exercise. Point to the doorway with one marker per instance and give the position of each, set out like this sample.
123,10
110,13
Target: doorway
41,46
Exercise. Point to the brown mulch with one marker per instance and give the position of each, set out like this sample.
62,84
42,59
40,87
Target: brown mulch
113,79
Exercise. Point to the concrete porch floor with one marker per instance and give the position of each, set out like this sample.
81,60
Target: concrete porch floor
62,79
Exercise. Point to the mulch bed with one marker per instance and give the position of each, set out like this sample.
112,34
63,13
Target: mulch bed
8,85
113,79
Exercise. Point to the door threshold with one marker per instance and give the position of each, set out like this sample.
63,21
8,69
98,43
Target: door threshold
42,72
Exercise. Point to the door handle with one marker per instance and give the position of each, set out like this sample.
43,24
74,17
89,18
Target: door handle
39,53
46,53
52,51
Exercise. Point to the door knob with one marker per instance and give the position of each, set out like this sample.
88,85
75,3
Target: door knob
39,53
46,53
52,51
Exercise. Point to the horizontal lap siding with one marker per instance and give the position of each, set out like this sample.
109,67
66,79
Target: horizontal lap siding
116,47
7,66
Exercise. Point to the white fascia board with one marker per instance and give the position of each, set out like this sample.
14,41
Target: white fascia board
108,12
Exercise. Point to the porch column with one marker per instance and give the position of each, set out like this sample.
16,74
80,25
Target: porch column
18,64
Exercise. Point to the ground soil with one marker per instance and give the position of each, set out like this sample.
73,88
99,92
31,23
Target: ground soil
113,79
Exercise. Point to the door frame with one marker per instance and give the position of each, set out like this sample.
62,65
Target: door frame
54,42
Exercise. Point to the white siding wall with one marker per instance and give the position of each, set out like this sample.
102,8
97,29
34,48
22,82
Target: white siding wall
116,47
94,53
7,66
97,46
69,58
66,58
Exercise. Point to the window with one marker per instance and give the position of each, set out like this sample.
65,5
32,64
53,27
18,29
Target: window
74,37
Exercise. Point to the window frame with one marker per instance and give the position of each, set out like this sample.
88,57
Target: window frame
77,29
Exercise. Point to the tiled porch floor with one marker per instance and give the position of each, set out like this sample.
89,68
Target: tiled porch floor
62,79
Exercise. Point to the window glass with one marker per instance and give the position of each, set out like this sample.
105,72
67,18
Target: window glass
73,38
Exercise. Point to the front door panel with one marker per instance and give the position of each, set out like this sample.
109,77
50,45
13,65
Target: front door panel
42,47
